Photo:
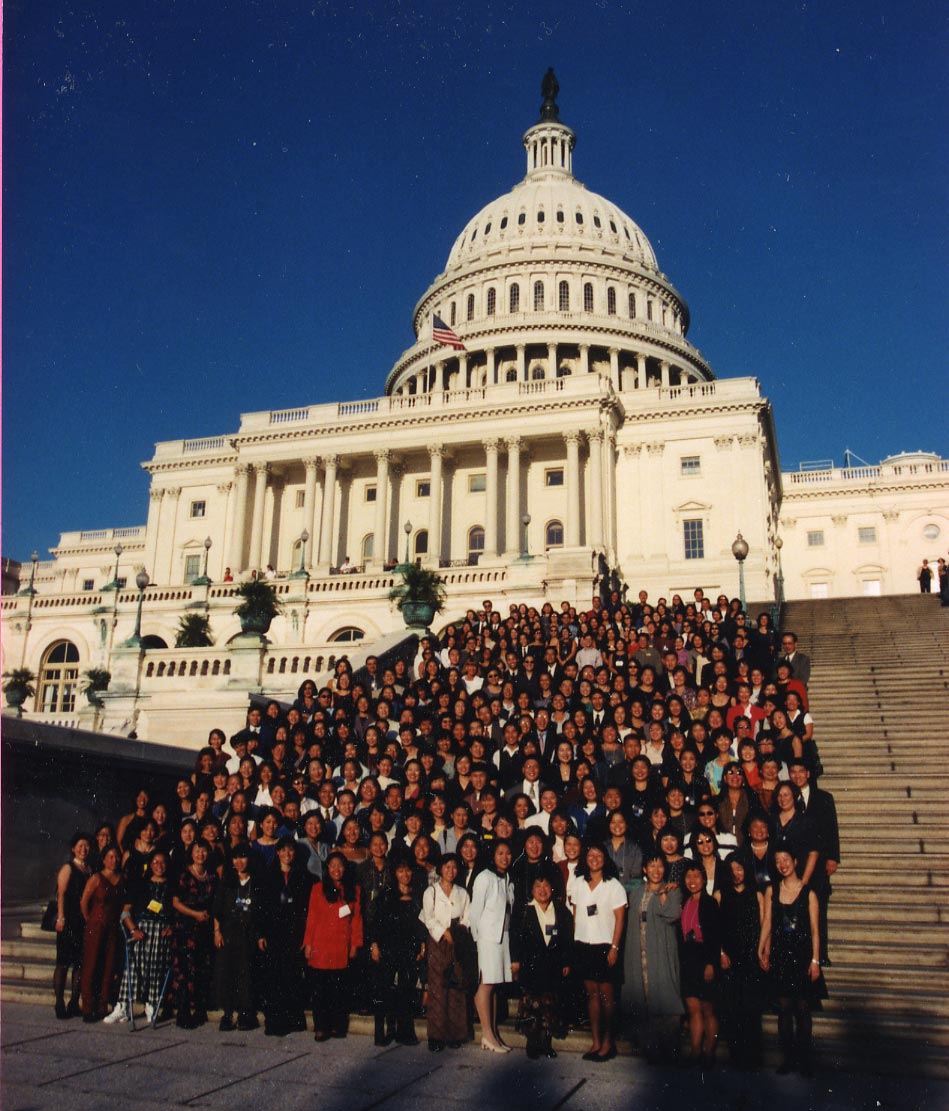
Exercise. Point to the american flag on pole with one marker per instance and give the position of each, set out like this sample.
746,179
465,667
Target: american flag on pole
441,333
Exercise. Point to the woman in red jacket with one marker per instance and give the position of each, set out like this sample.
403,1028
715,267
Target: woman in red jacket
332,938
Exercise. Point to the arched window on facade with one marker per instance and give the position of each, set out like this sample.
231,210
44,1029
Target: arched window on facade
588,297
538,296
492,297
553,534
59,678
421,542
563,297
537,373
475,545
514,298
471,306
510,375
632,305
348,634
611,301
368,547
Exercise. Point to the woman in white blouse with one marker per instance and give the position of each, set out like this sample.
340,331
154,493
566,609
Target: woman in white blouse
445,907
491,900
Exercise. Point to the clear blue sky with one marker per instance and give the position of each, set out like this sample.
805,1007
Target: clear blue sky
219,206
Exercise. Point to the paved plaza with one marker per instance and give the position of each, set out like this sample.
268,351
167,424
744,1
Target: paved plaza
55,1066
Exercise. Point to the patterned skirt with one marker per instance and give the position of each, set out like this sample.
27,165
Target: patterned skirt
148,963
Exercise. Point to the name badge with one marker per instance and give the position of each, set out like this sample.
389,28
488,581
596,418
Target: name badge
592,911
344,911
155,906
550,930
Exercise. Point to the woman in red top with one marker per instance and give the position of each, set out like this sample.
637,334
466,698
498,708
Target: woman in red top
332,938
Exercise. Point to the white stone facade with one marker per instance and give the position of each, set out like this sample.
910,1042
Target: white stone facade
577,400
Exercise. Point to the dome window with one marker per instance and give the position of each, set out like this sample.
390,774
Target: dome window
611,301
579,217
628,236
540,217
560,216
649,310
491,299
632,306
451,314
613,227
511,376
474,235
596,222
503,223
521,218
471,306
514,298
588,297
487,228
538,296
563,297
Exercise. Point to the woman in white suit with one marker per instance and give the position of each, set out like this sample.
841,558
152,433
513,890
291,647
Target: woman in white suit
490,915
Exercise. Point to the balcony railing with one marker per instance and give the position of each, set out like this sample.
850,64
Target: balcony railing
866,474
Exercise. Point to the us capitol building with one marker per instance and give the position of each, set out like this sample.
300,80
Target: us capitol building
562,431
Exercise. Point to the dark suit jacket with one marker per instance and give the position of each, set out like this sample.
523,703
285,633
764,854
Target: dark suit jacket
800,666
542,965
821,812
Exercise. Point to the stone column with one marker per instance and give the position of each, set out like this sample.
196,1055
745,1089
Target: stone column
309,507
380,535
491,499
512,529
462,370
664,371
521,352
551,361
595,534
492,369
584,358
257,521
169,509
152,528
614,368
242,478
435,454
609,491
572,529
223,543
330,465
640,370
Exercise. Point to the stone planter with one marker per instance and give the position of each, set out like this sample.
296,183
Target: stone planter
16,696
258,623
418,615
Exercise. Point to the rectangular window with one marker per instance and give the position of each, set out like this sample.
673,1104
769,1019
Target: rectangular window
88,584
694,539
690,464
192,567
815,539
477,483
300,499
649,310
370,493
423,488
820,590
867,535
554,477
198,508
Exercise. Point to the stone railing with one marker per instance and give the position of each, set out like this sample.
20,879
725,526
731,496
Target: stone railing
210,443
98,538
866,474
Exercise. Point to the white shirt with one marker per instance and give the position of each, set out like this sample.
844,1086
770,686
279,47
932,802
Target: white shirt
546,918
438,909
596,927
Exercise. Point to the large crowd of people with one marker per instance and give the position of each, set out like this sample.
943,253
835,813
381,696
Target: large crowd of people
604,821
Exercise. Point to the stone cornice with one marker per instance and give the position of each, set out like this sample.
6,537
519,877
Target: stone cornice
890,485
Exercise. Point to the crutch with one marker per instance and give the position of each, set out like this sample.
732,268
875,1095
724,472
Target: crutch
128,977
161,996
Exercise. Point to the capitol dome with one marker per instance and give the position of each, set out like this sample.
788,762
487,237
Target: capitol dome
550,272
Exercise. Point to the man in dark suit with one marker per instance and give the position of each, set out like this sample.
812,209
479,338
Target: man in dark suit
800,664
821,811
600,715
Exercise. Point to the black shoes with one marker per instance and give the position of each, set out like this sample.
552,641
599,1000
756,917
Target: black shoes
435,1046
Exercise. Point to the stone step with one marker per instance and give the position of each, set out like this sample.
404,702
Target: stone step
895,916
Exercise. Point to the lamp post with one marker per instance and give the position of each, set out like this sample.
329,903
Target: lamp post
114,585
141,581
301,572
740,552
202,579
407,529
29,591
525,521
778,582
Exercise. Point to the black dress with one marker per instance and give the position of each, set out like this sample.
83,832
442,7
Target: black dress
742,984
69,939
285,898
696,955
791,950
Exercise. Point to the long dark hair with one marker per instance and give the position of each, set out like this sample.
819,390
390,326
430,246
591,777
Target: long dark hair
348,885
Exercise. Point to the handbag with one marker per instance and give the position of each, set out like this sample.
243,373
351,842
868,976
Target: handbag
48,922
